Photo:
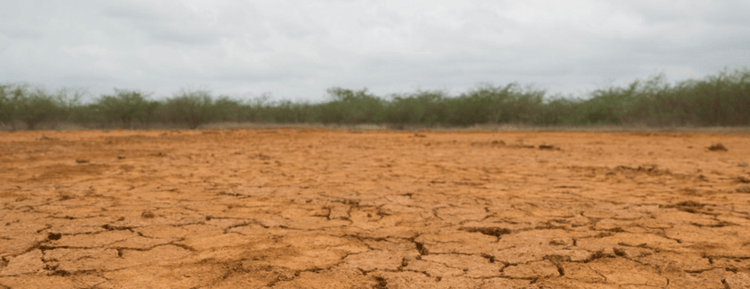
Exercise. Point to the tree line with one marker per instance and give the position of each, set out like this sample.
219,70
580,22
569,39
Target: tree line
721,99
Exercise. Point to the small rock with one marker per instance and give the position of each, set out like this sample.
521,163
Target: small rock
546,147
147,214
717,147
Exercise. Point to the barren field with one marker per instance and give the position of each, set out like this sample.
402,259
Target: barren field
304,208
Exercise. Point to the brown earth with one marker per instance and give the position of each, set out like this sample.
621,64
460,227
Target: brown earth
293,208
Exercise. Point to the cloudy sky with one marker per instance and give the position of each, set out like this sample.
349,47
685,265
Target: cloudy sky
297,49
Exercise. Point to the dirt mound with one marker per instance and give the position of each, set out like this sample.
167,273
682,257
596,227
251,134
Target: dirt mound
290,208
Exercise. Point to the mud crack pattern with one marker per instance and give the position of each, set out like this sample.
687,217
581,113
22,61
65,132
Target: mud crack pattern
295,208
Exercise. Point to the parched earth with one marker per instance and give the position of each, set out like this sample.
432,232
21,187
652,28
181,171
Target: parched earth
304,208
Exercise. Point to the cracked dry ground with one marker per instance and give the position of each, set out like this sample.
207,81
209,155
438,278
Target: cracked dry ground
293,208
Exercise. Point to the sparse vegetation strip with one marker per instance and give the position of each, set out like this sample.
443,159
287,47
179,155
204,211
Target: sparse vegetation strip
722,99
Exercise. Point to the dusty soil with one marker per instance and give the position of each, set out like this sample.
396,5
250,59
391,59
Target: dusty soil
292,208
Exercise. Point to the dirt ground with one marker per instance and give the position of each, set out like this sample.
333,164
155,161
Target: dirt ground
294,208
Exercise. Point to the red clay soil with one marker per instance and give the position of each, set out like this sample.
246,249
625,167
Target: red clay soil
292,208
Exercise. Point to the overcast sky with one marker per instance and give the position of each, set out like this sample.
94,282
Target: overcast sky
297,49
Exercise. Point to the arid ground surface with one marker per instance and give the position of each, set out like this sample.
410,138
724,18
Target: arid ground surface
294,208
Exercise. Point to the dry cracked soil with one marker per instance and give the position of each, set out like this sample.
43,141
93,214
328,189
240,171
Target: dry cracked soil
305,208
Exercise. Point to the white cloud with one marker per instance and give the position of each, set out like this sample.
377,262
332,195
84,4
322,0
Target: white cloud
297,49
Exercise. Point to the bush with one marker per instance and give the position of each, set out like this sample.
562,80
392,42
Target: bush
286,111
352,107
150,110
34,105
124,107
227,109
9,95
558,111
422,107
723,99
190,107
496,104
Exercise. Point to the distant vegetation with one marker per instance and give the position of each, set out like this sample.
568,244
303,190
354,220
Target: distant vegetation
717,100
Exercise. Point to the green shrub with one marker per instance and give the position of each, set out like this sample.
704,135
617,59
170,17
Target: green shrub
124,106
557,110
227,109
721,100
496,104
351,107
68,101
149,111
9,95
34,105
421,107
286,111
717,100
190,107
